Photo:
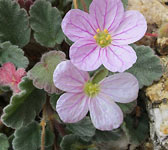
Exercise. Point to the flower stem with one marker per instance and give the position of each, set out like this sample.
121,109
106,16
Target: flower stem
43,124
75,4
84,5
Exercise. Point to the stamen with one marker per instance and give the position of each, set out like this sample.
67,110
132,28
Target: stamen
105,30
95,37
101,42
98,30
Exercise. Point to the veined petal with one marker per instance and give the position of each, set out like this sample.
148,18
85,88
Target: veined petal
118,58
105,114
68,78
107,13
78,24
72,107
121,87
85,55
131,29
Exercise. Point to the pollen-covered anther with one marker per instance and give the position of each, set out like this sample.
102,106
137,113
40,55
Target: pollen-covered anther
91,89
103,38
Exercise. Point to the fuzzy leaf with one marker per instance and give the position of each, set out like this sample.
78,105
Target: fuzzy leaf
148,68
12,53
45,20
27,138
73,142
125,3
4,144
42,72
136,130
53,100
104,136
128,107
14,24
24,106
83,128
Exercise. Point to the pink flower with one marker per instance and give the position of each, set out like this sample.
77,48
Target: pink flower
99,99
103,35
9,76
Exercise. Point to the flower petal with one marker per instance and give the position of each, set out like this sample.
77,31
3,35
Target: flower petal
107,13
122,87
118,58
131,29
72,107
78,24
85,55
68,78
105,114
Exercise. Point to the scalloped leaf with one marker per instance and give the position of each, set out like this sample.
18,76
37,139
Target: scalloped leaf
128,107
14,23
136,129
24,106
147,68
73,142
83,128
46,20
53,100
42,72
29,137
4,142
12,53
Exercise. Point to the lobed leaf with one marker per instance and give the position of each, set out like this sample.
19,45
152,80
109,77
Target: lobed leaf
136,129
45,20
84,129
12,53
14,23
42,72
29,137
4,144
53,100
73,142
23,106
147,68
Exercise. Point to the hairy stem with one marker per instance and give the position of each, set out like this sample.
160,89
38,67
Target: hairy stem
75,4
43,125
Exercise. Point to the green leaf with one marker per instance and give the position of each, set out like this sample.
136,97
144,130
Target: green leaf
12,53
100,75
83,6
125,3
4,142
136,129
24,106
73,142
14,24
45,20
49,137
27,138
104,136
128,107
83,128
42,72
147,68
53,100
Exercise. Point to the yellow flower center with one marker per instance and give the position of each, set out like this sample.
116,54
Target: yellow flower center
91,89
103,38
